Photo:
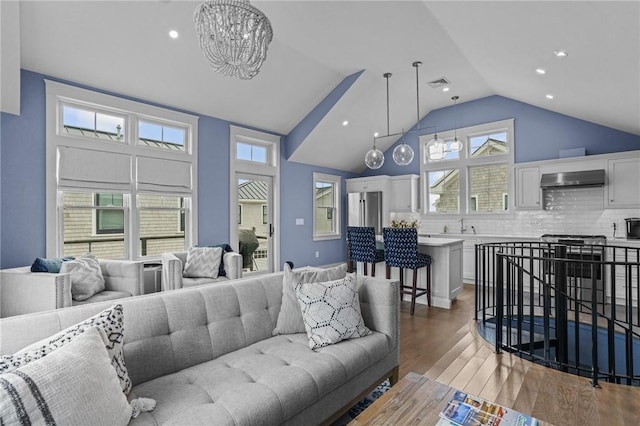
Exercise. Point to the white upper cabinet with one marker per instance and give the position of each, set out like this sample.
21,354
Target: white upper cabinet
528,188
367,184
404,192
623,188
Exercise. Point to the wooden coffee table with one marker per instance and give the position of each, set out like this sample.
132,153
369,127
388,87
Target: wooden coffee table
415,400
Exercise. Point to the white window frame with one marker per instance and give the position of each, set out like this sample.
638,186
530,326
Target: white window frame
464,162
336,181
270,168
58,94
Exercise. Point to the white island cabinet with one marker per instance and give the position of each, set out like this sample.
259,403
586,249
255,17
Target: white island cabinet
446,270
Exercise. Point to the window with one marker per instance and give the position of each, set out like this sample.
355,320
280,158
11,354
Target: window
473,203
239,214
444,191
157,216
326,203
490,183
93,222
252,152
265,215
158,135
84,122
109,220
475,180
127,200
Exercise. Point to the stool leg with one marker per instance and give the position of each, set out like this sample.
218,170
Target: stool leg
401,283
388,272
413,291
373,269
365,268
429,285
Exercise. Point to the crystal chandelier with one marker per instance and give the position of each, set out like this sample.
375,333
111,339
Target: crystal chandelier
234,36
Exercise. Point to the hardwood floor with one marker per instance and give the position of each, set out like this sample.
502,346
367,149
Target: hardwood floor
443,345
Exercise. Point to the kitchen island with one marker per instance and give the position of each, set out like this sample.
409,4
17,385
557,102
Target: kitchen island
446,270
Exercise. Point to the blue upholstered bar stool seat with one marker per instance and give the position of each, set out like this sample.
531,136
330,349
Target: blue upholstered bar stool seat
401,251
362,247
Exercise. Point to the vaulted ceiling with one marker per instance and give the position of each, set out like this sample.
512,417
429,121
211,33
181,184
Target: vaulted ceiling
482,48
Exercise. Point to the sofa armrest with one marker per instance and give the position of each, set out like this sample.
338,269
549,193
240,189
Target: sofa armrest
123,275
24,292
171,272
232,265
380,306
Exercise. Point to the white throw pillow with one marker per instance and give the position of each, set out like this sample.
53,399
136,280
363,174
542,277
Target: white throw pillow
203,262
110,321
331,311
290,317
86,276
74,385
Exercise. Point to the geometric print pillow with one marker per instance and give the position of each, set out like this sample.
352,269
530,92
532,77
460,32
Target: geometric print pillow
110,321
86,276
72,385
331,311
203,262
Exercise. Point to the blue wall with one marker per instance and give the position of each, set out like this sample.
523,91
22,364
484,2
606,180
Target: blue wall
22,193
540,134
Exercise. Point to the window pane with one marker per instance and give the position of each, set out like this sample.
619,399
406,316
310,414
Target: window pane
248,152
491,144
489,184
156,135
444,191
161,224
87,228
97,125
325,203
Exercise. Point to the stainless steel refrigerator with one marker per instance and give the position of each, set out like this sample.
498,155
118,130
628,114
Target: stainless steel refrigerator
365,209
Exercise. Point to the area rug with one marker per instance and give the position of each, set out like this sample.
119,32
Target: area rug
363,404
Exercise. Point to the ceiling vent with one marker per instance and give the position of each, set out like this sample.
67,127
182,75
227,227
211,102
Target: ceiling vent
439,82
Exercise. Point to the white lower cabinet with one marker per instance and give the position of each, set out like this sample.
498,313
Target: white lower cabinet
469,260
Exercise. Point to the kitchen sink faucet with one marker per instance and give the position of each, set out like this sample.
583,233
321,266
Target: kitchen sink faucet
462,228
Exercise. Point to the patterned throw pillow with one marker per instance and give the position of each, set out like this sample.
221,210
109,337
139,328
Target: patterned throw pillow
74,385
290,317
110,321
51,266
203,262
86,276
331,311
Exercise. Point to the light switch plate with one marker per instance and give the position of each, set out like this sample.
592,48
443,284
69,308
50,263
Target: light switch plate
299,221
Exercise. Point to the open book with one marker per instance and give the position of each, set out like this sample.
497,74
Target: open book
466,410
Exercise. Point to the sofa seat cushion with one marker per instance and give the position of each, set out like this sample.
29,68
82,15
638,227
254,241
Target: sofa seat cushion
192,282
264,383
103,296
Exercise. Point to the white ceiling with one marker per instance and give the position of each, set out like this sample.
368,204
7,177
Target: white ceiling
483,48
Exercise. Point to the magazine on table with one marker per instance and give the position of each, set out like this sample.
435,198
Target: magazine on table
468,410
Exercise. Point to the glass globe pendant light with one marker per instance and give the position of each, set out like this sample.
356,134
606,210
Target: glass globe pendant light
403,153
374,158
436,148
456,145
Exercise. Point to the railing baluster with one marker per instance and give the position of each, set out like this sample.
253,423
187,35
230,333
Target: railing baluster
594,333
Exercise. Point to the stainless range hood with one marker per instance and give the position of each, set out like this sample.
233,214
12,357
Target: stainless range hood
572,179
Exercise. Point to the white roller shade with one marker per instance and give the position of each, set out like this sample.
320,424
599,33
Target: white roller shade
162,175
84,168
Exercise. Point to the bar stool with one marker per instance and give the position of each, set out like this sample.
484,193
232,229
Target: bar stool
362,247
401,251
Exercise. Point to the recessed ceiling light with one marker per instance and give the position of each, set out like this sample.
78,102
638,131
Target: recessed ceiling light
560,53
173,34
375,135
345,123
540,71
549,96
445,89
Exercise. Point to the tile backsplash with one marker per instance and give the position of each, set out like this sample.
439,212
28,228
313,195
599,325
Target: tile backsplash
566,211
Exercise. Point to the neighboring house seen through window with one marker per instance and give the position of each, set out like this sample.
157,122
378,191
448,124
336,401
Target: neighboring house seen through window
326,206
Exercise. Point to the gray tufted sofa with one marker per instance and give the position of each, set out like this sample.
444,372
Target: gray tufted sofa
207,354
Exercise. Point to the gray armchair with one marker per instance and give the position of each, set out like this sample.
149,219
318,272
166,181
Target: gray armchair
24,292
173,265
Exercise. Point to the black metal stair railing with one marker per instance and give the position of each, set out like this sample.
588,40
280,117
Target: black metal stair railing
572,308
